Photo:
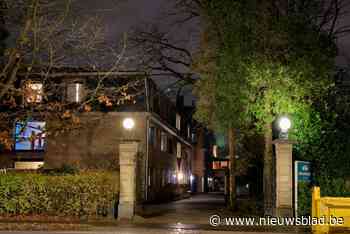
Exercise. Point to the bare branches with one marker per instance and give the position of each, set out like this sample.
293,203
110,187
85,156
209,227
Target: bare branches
186,10
159,53
48,37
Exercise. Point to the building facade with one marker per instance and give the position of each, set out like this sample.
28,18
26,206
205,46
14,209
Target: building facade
163,134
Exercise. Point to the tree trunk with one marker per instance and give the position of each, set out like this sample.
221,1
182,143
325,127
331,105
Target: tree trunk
268,183
232,179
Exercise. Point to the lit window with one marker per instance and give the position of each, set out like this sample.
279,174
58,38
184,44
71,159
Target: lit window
178,150
75,92
30,135
215,151
34,92
178,122
224,164
164,142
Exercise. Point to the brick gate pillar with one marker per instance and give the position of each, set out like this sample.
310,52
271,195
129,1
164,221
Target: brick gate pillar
283,206
127,177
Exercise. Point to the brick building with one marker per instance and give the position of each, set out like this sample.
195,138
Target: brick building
161,128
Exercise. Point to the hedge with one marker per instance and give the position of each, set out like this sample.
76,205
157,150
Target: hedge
304,199
81,194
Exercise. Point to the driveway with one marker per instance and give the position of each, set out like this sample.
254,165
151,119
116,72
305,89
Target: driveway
194,210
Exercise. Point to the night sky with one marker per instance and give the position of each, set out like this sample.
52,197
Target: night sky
123,16
135,13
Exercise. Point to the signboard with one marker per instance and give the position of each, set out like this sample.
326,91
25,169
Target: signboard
302,173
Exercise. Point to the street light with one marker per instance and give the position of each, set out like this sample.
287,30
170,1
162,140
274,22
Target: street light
284,124
128,123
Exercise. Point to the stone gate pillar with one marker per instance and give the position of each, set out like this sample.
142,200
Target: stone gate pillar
283,206
127,179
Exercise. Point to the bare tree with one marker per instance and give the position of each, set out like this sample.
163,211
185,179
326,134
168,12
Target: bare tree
47,39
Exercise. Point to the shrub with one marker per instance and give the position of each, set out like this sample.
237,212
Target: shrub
304,199
57,195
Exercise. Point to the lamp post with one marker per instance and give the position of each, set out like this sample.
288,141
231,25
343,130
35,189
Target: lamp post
283,189
128,150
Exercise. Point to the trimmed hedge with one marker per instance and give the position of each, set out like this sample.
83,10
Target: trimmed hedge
84,194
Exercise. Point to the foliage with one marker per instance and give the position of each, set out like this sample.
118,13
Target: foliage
304,199
65,195
262,66
63,170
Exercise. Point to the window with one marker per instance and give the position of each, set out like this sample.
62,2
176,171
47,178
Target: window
188,131
152,135
215,151
170,146
34,92
178,150
178,122
30,136
164,142
75,92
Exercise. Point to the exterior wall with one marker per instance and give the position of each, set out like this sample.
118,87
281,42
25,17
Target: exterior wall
96,144
165,166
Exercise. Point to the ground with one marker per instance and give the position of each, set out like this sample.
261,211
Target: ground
194,210
188,216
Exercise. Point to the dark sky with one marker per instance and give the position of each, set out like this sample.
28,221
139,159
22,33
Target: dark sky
129,14
126,14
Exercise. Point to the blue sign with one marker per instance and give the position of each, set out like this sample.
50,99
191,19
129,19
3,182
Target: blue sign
303,171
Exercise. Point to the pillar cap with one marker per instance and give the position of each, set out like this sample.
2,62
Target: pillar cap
283,141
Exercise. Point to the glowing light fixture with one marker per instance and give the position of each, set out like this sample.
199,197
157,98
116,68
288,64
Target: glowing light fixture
128,123
180,176
191,178
284,124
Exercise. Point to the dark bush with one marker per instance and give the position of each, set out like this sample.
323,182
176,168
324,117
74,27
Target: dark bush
304,199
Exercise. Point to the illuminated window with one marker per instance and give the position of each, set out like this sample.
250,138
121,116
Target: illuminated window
75,92
215,151
30,136
178,122
164,142
178,150
34,92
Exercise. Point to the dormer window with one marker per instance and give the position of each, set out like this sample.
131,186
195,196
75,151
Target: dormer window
34,92
75,92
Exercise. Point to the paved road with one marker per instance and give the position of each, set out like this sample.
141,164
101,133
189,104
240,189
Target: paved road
194,210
